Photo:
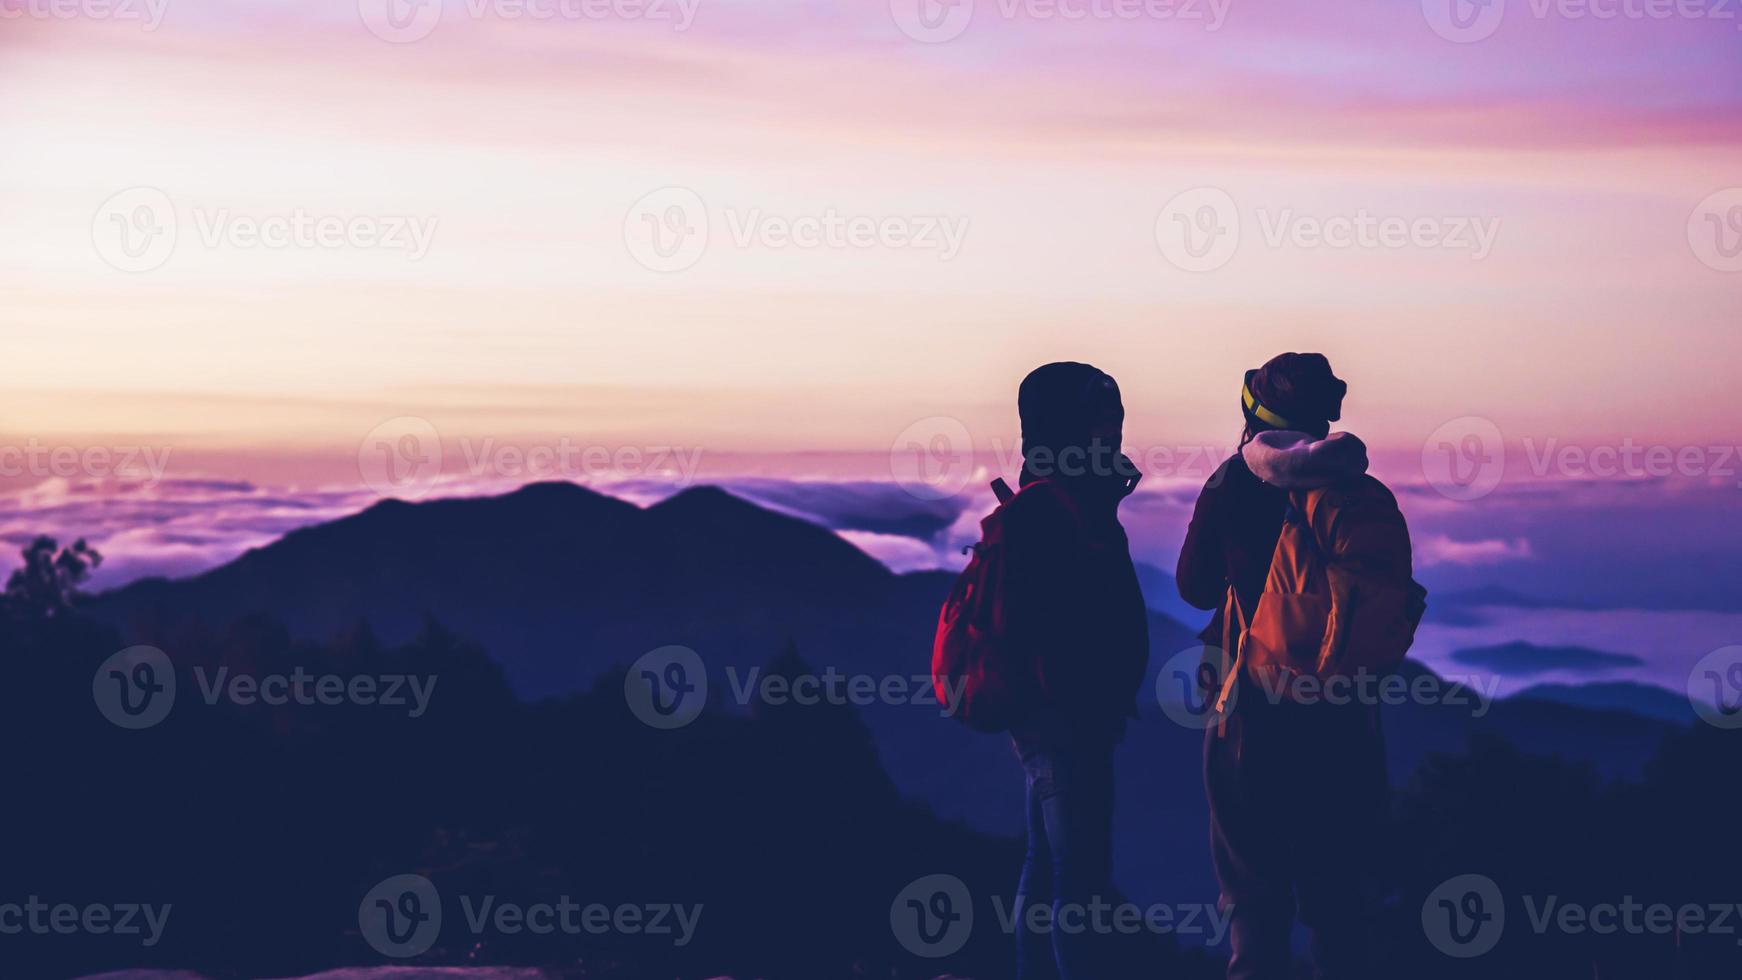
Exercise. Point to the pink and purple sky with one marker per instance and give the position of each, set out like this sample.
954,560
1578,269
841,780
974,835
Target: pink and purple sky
1553,192
522,143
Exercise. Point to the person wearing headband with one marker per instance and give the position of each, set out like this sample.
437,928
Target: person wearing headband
1297,792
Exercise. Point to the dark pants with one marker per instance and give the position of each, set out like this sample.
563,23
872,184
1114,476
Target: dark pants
1298,801
1070,854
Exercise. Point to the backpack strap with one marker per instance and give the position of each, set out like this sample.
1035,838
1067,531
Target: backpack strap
1235,624
1303,507
1058,492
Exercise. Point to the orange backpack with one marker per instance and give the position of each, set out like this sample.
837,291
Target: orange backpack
1340,599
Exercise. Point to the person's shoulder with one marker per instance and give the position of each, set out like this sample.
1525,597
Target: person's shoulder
1363,493
1039,505
1232,474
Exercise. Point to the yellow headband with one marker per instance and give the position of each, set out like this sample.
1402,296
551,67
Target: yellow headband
1265,415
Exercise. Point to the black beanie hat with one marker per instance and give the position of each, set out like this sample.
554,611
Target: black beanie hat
1293,391
1060,402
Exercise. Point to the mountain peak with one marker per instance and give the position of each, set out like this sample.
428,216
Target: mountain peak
554,490
704,497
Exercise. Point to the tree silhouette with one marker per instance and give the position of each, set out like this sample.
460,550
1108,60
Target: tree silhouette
48,584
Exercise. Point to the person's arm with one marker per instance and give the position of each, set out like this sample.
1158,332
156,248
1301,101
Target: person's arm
1202,572
1040,585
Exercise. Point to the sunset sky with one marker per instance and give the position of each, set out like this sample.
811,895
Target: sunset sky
522,146
273,246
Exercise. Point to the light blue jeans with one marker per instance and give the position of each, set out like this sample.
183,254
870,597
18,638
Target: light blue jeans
1070,855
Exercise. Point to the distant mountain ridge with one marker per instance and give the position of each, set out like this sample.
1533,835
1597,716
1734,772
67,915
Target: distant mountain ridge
1643,700
559,582
1523,659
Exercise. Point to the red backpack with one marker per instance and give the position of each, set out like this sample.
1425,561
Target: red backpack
978,675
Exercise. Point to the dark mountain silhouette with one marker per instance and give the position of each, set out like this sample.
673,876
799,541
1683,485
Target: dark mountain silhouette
559,582
1643,700
561,585
1521,659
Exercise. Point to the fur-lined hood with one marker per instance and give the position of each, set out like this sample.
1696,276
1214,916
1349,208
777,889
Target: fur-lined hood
1297,461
